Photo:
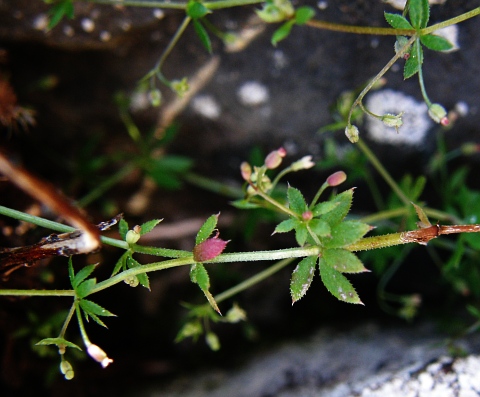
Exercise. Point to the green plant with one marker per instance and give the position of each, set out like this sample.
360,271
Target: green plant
328,238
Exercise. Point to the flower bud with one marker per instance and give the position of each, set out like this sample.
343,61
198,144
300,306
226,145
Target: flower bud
132,281
303,164
66,369
246,171
132,236
99,355
209,249
155,97
337,178
236,314
392,120
307,215
351,131
274,159
212,341
438,114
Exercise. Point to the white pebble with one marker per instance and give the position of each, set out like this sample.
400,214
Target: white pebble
206,106
252,93
88,25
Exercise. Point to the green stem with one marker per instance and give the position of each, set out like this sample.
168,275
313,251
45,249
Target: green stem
420,76
451,21
384,70
36,292
318,194
83,332
263,275
67,321
211,5
382,171
105,185
213,186
359,29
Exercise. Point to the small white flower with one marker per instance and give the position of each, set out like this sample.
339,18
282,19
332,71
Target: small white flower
99,355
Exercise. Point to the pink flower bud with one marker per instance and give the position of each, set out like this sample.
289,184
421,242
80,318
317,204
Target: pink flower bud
337,178
246,171
99,355
209,249
307,215
274,159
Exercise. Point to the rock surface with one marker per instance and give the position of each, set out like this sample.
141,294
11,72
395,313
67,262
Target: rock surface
366,361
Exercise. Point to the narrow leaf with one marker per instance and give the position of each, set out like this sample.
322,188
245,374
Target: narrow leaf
323,208
414,62
424,222
82,275
282,32
57,342
337,284
196,10
343,202
346,233
211,300
436,43
143,277
95,318
199,275
320,227
419,13
397,21
206,229
203,35
92,307
302,277
84,288
58,11
301,234
149,226
343,261
303,15
296,201
123,228
286,226
121,263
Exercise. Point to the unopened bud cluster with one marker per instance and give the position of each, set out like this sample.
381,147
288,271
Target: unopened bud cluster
438,114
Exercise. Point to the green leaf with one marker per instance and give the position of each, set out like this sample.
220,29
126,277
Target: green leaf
286,226
199,275
346,233
203,35
57,342
414,62
60,10
301,234
92,307
296,201
196,10
95,318
323,207
436,43
121,263
82,275
211,300
244,204
419,13
337,284
397,21
84,288
123,228
302,277
303,15
343,261
343,202
206,229
143,277
149,226
320,227
166,171
282,32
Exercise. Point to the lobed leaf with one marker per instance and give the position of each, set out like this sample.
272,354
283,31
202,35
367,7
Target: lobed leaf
397,21
337,284
343,261
206,229
346,233
302,277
